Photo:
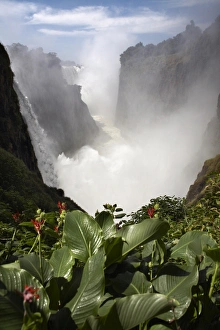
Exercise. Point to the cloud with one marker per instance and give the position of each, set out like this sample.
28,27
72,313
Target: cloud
74,33
84,21
191,3
100,19
78,16
18,9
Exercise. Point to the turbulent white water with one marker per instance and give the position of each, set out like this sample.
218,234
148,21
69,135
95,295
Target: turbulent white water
130,173
39,140
155,162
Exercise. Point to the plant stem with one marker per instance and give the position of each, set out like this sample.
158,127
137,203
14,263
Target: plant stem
213,280
27,310
11,243
33,246
152,261
40,258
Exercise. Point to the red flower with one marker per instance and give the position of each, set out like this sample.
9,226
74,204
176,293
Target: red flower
16,217
151,212
61,206
29,293
56,228
38,225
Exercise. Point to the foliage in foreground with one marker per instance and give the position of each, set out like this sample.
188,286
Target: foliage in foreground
68,270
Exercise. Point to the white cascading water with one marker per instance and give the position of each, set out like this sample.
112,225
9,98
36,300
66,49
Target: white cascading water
70,73
39,140
132,172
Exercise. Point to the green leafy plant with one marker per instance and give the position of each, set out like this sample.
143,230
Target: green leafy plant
74,271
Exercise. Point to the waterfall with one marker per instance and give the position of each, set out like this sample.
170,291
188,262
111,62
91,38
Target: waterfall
39,139
70,73
131,170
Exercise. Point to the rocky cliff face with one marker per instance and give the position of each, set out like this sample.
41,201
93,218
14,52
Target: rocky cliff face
212,165
21,185
156,80
14,136
59,107
197,189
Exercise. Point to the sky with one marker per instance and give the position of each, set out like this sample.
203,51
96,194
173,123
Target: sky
72,28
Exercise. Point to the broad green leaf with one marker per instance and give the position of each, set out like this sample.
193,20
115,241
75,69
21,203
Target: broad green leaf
131,283
160,327
91,289
147,249
195,254
146,231
196,240
12,265
175,269
11,312
214,253
156,249
136,309
105,220
111,320
177,287
113,249
160,252
69,289
62,261
82,234
12,283
41,269
93,323
107,302
53,292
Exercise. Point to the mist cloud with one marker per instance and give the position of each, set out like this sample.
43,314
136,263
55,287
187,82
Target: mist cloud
99,79
132,172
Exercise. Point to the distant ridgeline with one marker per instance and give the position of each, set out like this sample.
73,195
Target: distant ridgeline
58,106
21,184
159,79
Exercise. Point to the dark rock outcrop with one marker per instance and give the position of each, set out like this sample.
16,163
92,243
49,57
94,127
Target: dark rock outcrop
21,184
197,189
14,136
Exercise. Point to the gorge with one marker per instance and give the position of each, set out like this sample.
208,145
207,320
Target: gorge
165,126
